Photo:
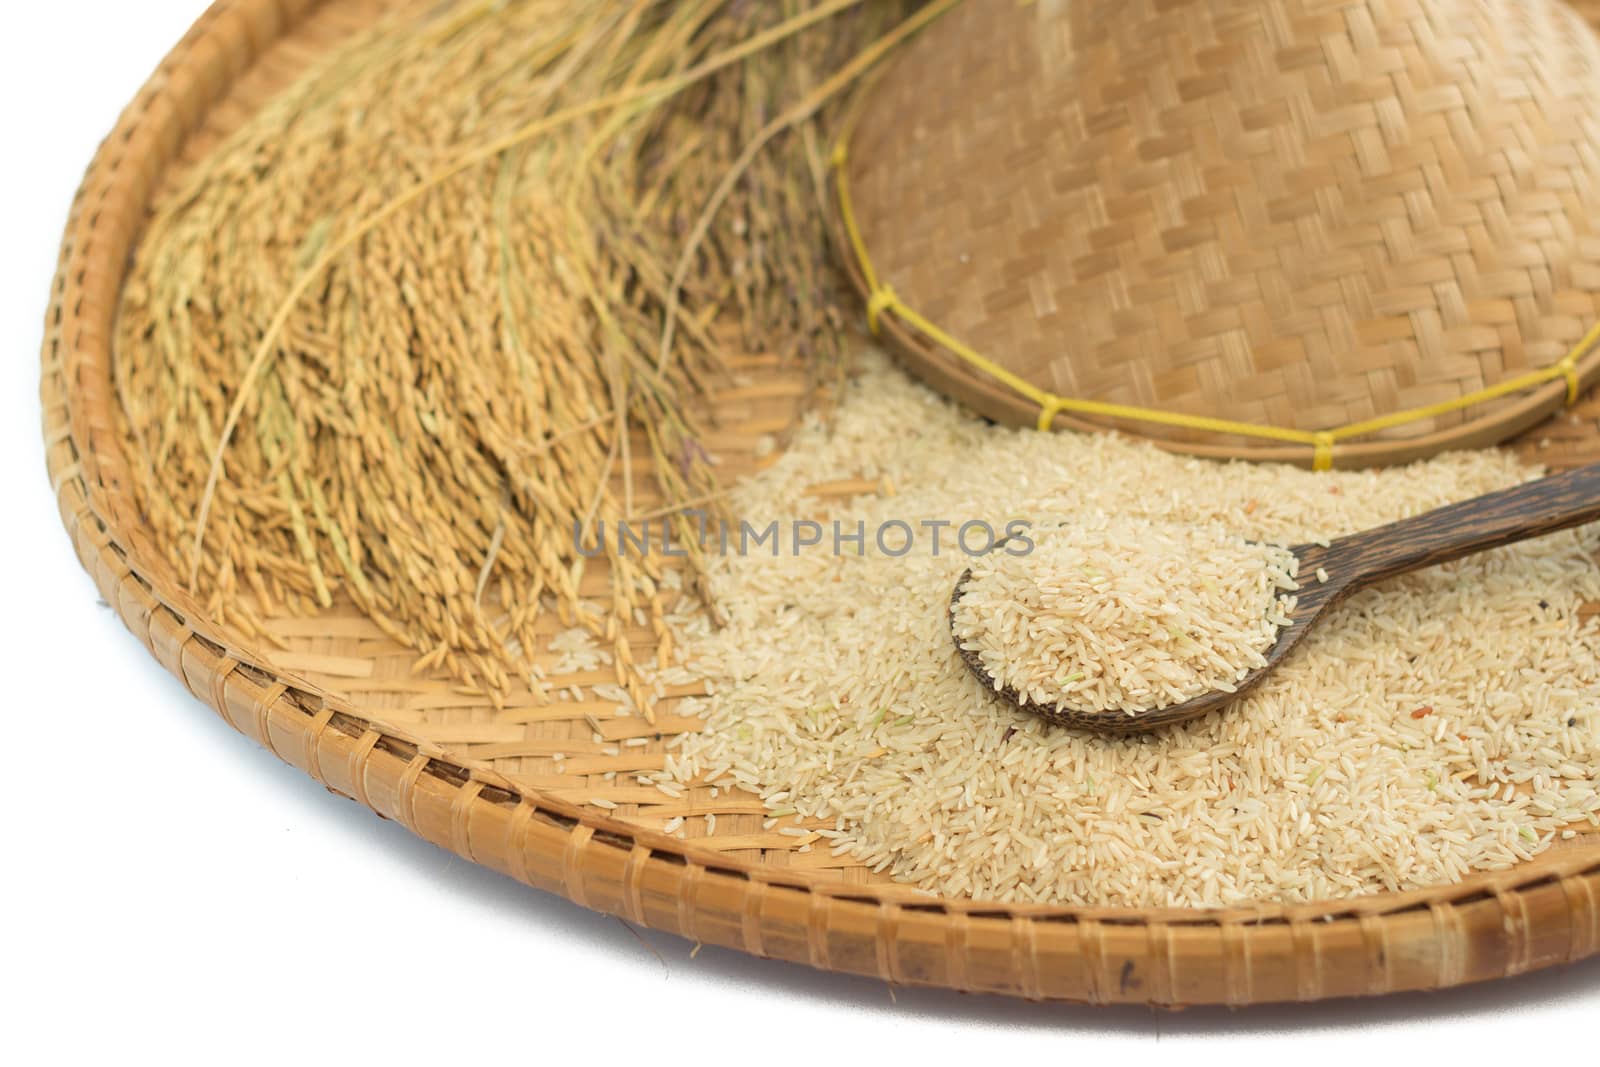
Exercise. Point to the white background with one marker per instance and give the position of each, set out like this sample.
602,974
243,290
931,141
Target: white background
172,889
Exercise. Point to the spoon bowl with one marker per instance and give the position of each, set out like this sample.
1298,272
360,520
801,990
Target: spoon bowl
1532,509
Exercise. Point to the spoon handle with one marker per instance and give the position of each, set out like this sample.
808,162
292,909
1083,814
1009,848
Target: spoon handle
1531,509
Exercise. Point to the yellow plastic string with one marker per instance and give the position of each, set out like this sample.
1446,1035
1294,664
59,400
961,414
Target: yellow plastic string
1322,451
882,299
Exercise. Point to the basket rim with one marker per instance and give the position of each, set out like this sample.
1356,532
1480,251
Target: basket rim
1538,914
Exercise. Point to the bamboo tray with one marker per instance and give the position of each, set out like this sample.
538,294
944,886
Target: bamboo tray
342,705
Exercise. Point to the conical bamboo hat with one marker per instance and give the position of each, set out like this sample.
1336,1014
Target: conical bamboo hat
1302,215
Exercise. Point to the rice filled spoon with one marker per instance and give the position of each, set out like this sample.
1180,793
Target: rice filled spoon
1123,627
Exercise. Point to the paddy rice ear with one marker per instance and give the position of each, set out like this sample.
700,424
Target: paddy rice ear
447,306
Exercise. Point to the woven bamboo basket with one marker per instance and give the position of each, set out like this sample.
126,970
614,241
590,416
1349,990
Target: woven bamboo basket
1366,219
339,700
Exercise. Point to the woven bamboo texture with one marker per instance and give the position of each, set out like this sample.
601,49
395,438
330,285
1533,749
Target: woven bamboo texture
341,704
1297,213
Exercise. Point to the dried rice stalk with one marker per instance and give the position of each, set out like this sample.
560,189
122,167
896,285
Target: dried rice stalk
389,341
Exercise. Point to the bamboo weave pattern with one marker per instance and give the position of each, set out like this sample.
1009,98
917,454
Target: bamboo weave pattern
1305,222
339,701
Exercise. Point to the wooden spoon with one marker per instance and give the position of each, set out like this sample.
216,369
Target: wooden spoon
1355,562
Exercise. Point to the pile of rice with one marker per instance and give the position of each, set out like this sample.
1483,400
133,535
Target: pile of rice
1444,723
1114,613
